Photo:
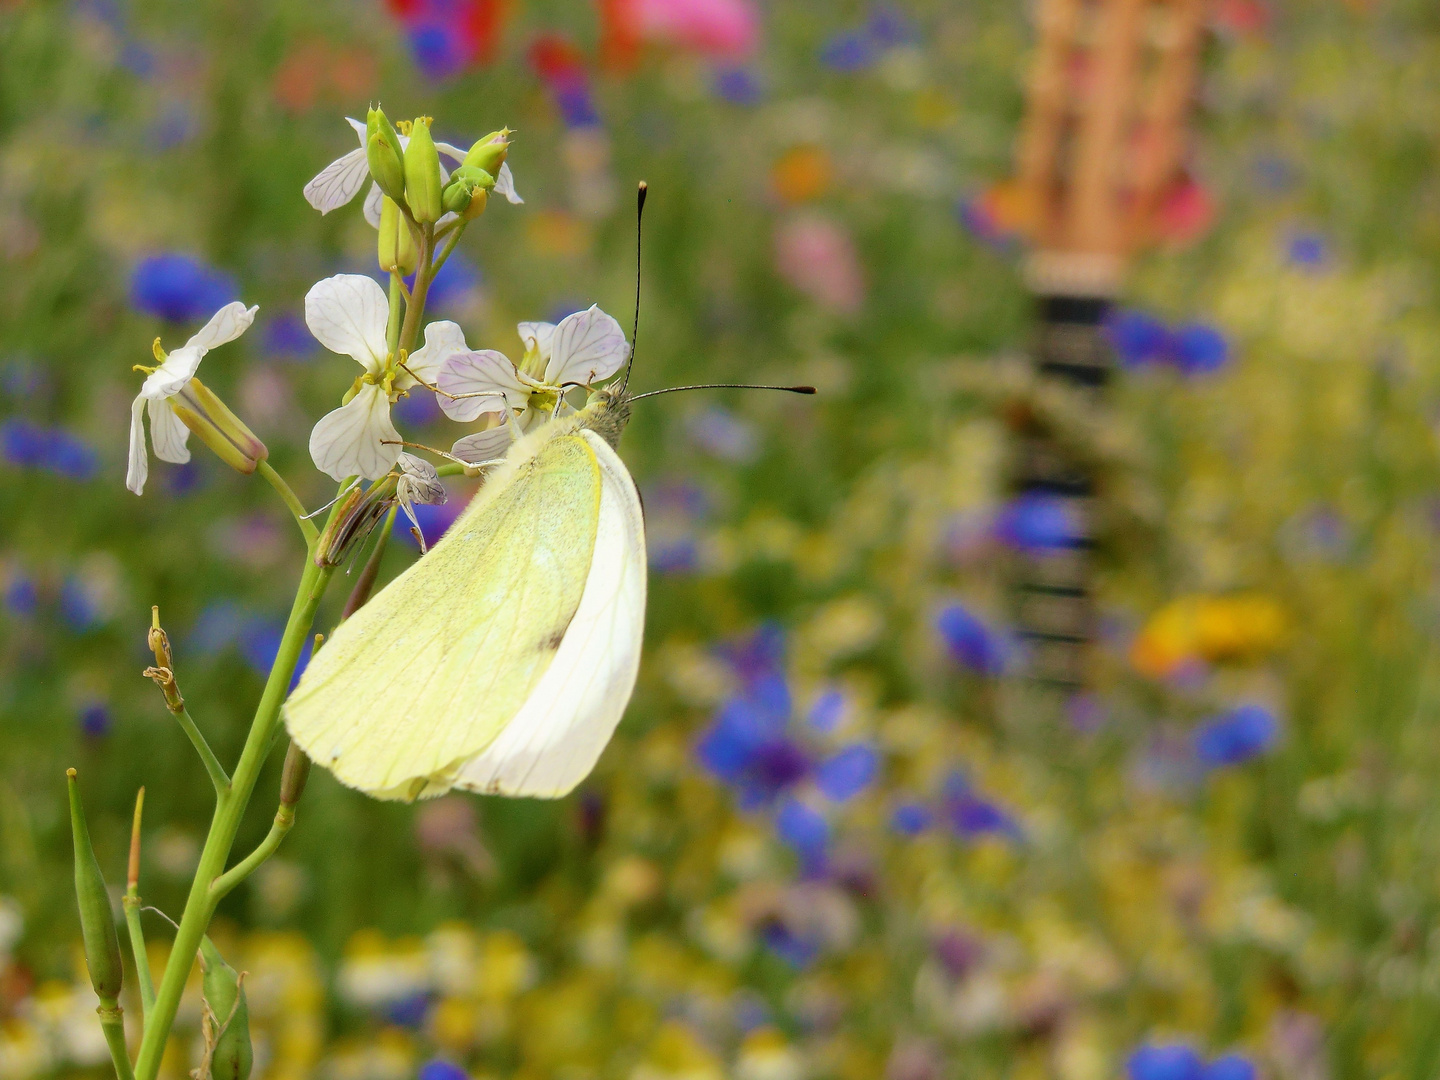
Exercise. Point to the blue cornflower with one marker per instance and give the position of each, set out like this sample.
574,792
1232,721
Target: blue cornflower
1168,1062
795,949
971,815
970,641
1199,349
180,288
286,336
738,86
1037,523
410,1012
1139,339
52,449
1231,1067
849,51
433,519
95,720
1307,250
1238,736
22,596
78,606
440,1069
805,830
911,818
438,49
674,512
847,772
259,643
576,104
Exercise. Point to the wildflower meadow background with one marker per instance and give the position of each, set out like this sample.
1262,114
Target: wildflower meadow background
838,834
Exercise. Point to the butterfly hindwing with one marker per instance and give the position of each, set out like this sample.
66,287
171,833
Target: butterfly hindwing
429,672
555,739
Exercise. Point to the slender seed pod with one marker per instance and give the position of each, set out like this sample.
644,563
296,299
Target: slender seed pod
227,1014
97,920
396,249
422,173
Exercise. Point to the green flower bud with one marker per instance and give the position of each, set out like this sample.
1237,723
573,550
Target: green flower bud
422,173
382,151
97,920
490,152
397,242
219,428
468,192
226,1016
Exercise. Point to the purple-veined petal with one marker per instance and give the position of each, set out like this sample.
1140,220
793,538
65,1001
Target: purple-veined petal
442,340
225,325
347,314
339,182
588,346
485,372
488,445
542,333
358,438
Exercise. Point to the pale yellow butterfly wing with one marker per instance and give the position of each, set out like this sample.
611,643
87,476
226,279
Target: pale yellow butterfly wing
555,739
428,673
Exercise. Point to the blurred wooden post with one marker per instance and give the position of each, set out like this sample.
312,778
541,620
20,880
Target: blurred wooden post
1102,138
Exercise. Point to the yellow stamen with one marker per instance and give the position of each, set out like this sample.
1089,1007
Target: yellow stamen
160,354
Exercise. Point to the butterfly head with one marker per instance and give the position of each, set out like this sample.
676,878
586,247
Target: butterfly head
606,412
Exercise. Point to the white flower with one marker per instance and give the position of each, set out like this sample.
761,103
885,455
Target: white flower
340,181
168,434
585,348
347,314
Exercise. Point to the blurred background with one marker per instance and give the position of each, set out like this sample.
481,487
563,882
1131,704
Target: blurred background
840,834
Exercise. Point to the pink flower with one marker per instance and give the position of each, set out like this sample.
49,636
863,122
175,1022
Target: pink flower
722,29
817,257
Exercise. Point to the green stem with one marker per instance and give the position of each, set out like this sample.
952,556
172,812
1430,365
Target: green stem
450,242
197,739
424,273
112,1022
392,327
229,809
284,819
131,904
291,500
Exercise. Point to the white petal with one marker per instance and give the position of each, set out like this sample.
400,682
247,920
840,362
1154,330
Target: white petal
359,126
442,340
347,314
373,200
453,152
505,185
543,334
139,467
588,346
227,324
339,182
484,372
168,434
357,439
177,370
485,445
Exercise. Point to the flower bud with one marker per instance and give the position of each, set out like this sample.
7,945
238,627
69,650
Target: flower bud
226,1016
293,775
219,428
422,173
397,242
468,192
97,921
490,152
383,152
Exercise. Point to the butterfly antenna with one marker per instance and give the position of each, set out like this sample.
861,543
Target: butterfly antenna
726,386
640,194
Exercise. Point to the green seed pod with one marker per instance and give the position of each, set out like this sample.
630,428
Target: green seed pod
397,243
97,920
293,776
219,428
382,151
490,152
227,1016
422,173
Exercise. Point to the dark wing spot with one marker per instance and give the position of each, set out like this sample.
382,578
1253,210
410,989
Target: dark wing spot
552,643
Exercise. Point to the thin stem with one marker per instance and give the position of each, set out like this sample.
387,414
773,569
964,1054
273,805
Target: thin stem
284,819
112,1023
424,273
398,294
131,905
450,242
291,501
229,810
197,739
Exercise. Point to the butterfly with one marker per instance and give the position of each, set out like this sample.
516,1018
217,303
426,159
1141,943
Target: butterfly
502,661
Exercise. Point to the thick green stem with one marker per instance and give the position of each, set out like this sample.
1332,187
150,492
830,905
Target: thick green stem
424,274
291,500
392,328
112,1022
229,810
450,242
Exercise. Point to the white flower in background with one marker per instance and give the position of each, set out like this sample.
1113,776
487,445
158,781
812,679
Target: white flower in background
168,434
347,314
583,349
340,181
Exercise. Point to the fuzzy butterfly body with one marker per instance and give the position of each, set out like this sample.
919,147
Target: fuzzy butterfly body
502,661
